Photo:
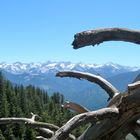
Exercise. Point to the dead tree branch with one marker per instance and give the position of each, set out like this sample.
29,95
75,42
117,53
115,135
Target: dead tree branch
129,111
108,87
91,117
40,126
134,86
45,132
127,104
40,138
75,106
93,37
28,122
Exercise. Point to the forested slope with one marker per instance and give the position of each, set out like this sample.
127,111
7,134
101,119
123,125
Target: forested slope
20,101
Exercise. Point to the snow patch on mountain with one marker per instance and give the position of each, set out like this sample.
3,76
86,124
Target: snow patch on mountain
53,67
43,75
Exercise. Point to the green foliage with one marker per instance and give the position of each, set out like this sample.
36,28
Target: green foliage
1,136
3,97
19,101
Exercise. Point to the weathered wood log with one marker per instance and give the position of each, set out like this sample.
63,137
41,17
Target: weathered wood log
93,37
129,112
108,87
127,103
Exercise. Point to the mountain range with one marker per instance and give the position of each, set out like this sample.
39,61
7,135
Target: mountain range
80,91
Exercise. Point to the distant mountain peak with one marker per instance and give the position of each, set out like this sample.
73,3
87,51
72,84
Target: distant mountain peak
43,75
49,66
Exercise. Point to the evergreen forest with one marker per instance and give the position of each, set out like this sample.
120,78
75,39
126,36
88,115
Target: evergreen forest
20,101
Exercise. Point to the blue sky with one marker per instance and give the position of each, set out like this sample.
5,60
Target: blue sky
42,30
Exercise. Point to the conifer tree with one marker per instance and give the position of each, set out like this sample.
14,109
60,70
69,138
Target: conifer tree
1,136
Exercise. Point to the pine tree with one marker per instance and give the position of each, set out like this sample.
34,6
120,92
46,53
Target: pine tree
19,101
9,134
4,112
1,136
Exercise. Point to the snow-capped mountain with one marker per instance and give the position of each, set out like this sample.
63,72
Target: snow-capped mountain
53,67
43,76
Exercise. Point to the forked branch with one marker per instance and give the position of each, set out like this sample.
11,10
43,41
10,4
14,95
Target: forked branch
93,37
28,122
41,126
108,87
88,117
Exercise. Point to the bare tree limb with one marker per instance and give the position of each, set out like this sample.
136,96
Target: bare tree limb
134,86
112,128
129,111
128,104
93,37
75,106
34,116
45,132
92,117
40,138
138,123
44,127
108,87
48,131
28,122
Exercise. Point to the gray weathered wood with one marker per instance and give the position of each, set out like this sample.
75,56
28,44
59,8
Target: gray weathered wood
93,37
129,110
29,122
44,127
92,117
